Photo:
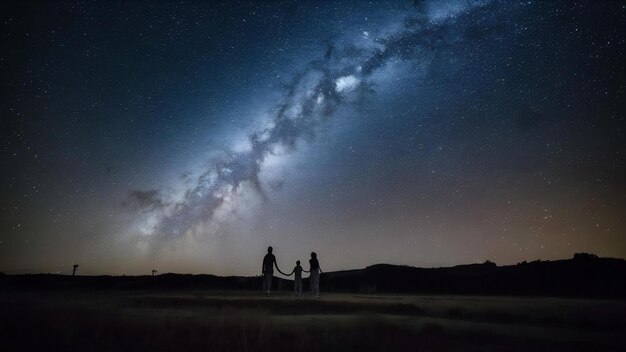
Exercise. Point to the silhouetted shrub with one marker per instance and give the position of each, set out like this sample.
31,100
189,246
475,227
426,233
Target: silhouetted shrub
585,256
489,263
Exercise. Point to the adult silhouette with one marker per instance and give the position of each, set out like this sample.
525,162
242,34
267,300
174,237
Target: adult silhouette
269,262
314,277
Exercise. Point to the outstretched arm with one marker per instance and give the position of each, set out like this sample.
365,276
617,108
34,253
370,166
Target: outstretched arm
276,265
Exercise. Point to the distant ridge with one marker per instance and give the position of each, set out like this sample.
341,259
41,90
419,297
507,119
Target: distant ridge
579,277
585,275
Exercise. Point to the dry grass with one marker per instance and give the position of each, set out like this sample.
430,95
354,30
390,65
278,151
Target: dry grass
137,321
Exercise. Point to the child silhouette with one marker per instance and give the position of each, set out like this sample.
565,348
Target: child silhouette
297,282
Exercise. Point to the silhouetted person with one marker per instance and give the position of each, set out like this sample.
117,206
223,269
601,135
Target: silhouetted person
74,271
297,281
269,261
314,277
154,272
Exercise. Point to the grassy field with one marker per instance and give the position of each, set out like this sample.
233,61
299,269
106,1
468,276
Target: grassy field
85,320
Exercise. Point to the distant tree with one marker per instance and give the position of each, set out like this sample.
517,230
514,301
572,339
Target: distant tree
74,271
585,256
489,263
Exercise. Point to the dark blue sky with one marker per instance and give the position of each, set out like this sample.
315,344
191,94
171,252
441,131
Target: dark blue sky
188,136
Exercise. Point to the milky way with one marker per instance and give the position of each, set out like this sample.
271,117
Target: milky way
311,98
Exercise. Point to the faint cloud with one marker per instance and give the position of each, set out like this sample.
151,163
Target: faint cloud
147,200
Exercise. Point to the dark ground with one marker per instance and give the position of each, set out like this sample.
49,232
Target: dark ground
185,320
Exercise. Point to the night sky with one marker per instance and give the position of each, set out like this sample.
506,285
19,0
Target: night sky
189,136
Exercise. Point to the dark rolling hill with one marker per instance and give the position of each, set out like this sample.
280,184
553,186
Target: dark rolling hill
583,276
168,281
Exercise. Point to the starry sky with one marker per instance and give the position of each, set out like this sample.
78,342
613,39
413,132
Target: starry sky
189,136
